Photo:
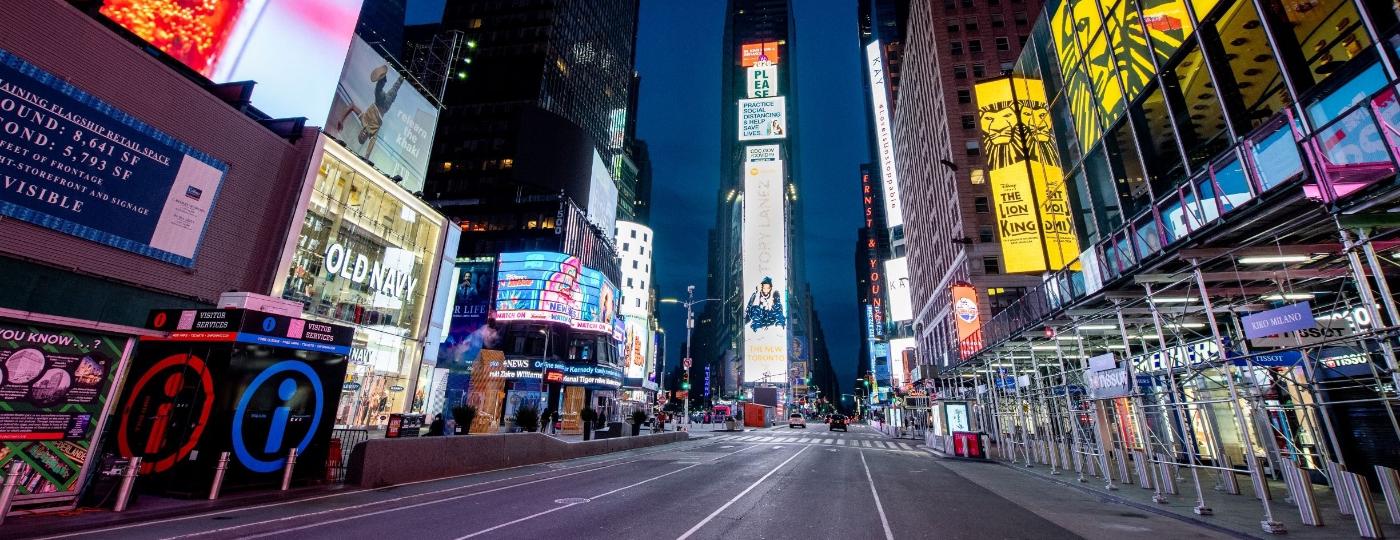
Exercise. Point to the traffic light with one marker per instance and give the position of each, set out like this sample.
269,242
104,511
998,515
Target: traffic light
685,385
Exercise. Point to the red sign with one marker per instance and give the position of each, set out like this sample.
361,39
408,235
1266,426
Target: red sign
686,363
553,375
751,53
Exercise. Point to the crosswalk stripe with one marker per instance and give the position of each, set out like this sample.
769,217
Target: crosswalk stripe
840,442
885,444
903,446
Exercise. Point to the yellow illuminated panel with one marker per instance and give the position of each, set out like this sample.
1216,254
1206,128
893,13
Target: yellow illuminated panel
1167,24
1134,58
1032,205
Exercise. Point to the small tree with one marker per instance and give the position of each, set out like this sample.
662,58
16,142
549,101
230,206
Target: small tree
586,418
638,418
464,415
527,418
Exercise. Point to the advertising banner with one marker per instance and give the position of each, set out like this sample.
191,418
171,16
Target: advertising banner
900,350
765,273
1034,220
635,350
752,53
294,49
762,118
763,80
1108,383
884,132
760,152
467,333
897,287
1289,318
967,318
54,385
537,285
381,118
78,165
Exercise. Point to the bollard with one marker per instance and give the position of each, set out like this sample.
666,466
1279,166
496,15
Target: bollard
133,468
1334,474
1141,466
287,470
219,471
7,495
1302,489
1164,476
1390,487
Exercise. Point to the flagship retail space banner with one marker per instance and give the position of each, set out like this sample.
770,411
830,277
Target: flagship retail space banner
53,386
75,164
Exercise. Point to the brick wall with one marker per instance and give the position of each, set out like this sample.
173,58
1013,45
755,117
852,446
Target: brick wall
249,221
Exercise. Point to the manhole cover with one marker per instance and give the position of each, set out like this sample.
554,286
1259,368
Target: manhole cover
571,500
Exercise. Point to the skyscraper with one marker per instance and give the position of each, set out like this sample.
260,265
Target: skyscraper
949,227
755,254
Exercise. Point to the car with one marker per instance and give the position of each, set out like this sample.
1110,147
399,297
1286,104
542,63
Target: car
838,421
795,420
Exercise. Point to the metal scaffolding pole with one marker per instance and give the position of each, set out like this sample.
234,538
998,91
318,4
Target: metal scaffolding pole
1071,418
1268,524
1183,416
1144,472
1099,429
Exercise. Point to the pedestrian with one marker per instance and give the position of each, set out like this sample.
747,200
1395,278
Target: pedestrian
554,421
435,428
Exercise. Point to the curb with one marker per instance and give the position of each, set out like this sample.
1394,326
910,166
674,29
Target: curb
1135,504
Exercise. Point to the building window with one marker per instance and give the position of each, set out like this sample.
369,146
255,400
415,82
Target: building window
1006,67
964,96
979,70
1000,298
641,250
1022,40
955,47
629,283
635,265
998,21
991,265
953,27
626,246
1020,18
634,233
970,25
974,147
978,176
985,235
969,122
960,71
994,2
974,45
981,206
1003,44
967,3
947,5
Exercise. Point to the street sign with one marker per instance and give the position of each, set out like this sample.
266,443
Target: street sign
685,362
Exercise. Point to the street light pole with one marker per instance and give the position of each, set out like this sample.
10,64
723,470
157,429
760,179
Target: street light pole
689,326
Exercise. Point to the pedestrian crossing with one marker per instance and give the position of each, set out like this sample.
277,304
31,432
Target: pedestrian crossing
824,440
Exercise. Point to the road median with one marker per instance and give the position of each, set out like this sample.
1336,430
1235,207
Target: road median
384,462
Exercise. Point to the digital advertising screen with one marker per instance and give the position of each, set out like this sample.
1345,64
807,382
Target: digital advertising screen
762,118
636,350
294,49
884,132
763,81
95,172
379,116
467,333
897,286
752,53
765,273
537,285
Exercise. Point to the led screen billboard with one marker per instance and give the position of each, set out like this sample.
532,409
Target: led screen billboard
752,53
762,118
901,350
294,49
1034,221
763,81
897,286
884,132
537,285
636,349
765,273
761,152
85,168
968,319
381,118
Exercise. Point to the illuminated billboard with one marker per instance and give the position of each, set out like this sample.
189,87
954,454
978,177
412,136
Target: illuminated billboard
761,152
967,317
554,287
1033,213
381,118
901,352
765,273
897,287
636,349
884,132
763,80
752,53
294,49
762,118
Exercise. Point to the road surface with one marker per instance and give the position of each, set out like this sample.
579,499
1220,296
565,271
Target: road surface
778,483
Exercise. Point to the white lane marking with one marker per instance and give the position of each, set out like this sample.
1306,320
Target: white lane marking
353,492
741,495
840,442
558,508
376,512
903,446
727,446
884,521
827,441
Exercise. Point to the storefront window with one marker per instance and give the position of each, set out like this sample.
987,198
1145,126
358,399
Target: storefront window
1173,219
1191,209
1084,209
1065,135
1148,242
1354,91
1129,41
1330,33
1102,69
1210,204
1104,191
1049,63
364,259
1157,140
1275,155
1083,107
1127,169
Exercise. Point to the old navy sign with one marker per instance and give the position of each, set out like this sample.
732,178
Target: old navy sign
1276,321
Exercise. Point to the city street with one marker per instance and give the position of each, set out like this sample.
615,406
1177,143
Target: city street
777,483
